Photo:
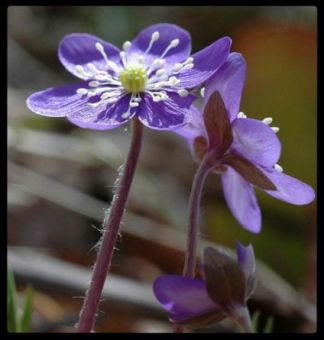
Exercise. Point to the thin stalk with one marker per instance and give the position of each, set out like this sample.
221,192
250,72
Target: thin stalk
193,224
110,234
194,208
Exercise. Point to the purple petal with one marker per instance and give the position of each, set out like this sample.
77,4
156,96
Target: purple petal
256,141
165,115
241,199
79,49
167,33
183,298
57,101
289,189
194,133
228,81
194,128
105,116
246,260
206,62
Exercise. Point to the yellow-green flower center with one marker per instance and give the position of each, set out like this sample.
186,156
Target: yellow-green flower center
133,78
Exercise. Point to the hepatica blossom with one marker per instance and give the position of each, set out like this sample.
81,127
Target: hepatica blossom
150,78
224,290
243,151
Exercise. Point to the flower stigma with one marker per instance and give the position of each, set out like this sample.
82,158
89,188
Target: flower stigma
133,78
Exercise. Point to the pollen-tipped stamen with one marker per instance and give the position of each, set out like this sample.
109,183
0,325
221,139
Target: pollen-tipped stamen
110,63
173,43
241,115
267,120
278,167
155,36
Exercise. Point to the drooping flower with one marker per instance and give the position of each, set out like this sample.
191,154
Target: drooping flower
224,290
243,151
150,78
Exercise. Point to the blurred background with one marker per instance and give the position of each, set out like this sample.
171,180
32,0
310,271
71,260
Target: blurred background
61,177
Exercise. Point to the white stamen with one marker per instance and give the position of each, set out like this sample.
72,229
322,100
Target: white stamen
111,64
94,83
241,115
125,115
112,100
134,101
107,95
155,36
278,167
202,92
159,62
140,59
187,67
164,95
93,68
81,91
92,93
79,68
94,104
100,48
156,62
183,93
81,71
157,99
174,80
160,72
275,129
101,77
177,67
189,60
157,86
173,43
163,78
127,45
122,54
267,120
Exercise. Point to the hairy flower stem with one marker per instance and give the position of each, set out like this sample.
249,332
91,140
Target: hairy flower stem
110,234
194,208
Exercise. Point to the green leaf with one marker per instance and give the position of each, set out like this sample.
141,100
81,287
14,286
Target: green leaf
26,317
12,310
269,325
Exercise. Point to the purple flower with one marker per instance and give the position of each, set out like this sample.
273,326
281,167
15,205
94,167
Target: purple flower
224,290
150,79
243,151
